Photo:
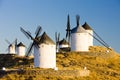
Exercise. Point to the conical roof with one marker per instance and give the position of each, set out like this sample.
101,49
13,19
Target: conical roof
78,29
63,42
46,39
86,26
20,44
11,45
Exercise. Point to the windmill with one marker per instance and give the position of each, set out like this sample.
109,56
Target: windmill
44,49
68,30
79,37
21,49
64,45
12,46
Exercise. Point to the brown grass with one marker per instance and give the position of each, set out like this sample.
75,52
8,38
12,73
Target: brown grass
102,66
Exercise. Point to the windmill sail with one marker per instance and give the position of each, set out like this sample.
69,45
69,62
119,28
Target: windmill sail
27,33
12,45
16,44
7,41
101,39
96,36
29,49
77,19
57,37
38,31
68,29
35,40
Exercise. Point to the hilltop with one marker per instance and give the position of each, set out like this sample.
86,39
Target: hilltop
101,63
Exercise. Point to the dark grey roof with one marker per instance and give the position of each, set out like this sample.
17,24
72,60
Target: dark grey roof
63,42
78,29
10,45
46,39
86,26
20,44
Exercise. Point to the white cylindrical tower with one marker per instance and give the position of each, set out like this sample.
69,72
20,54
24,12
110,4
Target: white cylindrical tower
89,30
11,49
45,55
21,49
79,39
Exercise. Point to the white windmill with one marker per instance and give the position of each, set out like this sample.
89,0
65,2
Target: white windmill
63,44
12,47
79,38
21,49
44,49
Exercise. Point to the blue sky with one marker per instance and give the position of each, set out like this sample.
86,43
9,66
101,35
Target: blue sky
102,15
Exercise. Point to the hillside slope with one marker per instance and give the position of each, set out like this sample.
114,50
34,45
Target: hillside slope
102,64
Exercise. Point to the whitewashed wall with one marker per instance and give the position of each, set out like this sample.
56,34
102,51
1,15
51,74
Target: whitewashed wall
11,49
21,51
79,42
90,38
63,45
45,56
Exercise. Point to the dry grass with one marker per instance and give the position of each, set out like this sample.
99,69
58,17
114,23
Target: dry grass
102,66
